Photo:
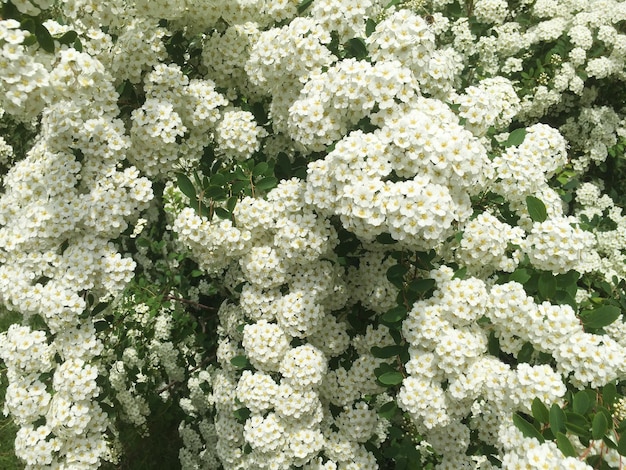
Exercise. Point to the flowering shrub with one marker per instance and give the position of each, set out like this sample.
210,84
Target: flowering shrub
317,234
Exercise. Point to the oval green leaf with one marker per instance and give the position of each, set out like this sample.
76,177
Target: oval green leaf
240,362
390,379
527,428
516,137
386,352
582,403
600,317
186,186
599,426
266,183
564,445
395,314
540,412
388,410
536,209
44,38
260,169
547,285
557,419
609,394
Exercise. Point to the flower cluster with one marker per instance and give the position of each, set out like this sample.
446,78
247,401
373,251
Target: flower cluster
378,252
175,120
438,174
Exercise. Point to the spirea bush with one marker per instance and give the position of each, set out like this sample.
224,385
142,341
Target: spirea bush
314,234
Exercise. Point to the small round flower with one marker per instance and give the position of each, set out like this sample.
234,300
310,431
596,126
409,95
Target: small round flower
266,345
303,366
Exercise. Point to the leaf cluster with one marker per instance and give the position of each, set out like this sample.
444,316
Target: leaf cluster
587,416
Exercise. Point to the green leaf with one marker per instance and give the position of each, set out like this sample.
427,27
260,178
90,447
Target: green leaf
44,38
520,275
526,352
621,445
100,326
215,192
68,38
386,239
516,137
393,3
421,285
536,209
370,27
609,394
557,419
600,317
240,362
599,426
141,241
460,273
564,445
260,169
218,179
267,183
493,344
547,285
304,4
186,186
540,412
222,213
395,314
390,379
356,48
239,174
577,424
231,203
395,274
78,45
386,352
567,281
99,308
581,403
527,428
239,186
242,414
388,410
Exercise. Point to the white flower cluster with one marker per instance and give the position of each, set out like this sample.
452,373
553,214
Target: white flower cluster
555,245
74,422
237,135
281,60
60,207
289,294
440,175
492,103
448,346
225,55
408,38
610,241
175,121
333,101
591,133
524,170
524,452
491,11
346,17
488,244
24,76
402,117
591,359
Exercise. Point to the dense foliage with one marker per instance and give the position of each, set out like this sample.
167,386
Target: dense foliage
321,234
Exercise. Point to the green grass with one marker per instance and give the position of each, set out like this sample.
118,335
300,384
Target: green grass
8,460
